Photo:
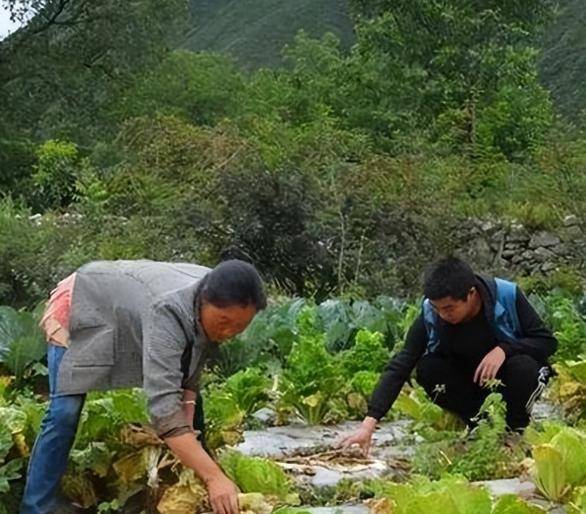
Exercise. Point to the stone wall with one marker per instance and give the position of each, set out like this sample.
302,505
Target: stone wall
512,248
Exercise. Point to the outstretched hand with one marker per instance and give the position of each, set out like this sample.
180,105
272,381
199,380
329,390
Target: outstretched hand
361,437
489,366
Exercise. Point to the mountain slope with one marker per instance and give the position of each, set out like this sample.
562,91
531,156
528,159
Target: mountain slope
255,31
563,63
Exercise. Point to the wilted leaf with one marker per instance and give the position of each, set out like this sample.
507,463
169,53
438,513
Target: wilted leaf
138,465
139,436
380,505
188,496
254,503
80,489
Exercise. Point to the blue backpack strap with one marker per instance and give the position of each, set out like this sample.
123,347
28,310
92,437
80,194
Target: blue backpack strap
506,318
430,321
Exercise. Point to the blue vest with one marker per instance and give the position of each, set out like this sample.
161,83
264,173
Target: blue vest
505,324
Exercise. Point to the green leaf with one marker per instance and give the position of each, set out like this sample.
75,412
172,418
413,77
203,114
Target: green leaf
8,472
550,472
421,496
223,419
577,505
257,475
335,317
512,504
367,354
545,433
21,341
572,446
249,389
96,457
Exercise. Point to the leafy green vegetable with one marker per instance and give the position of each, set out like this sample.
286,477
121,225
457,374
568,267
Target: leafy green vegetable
21,342
367,354
249,389
511,504
560,464
569,388
311,380
415,404
105,414
223,419
8,470
421,496
257,475
577,504
550,472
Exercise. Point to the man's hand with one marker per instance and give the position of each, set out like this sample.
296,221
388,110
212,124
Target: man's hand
223,495
222,492
362,437
489,366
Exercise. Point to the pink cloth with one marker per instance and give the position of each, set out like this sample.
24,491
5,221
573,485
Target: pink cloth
55,321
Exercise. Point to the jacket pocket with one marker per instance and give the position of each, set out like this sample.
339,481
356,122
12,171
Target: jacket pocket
92,346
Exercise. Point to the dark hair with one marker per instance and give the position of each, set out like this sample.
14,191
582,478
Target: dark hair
448,277
232,283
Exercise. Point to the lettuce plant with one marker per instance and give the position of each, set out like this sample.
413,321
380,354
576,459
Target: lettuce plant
560,464
258,475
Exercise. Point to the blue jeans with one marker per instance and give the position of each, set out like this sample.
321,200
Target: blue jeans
50,453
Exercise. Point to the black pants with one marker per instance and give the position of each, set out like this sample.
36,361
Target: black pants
199,421
452,388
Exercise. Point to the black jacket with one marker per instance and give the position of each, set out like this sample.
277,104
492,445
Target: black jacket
537,342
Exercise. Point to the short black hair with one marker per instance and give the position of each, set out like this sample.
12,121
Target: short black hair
448,277
234,282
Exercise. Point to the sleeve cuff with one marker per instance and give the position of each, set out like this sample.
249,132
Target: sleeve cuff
165,425
174,432
374,414
507,348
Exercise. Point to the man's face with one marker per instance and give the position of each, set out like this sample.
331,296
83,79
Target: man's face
223,323
456,311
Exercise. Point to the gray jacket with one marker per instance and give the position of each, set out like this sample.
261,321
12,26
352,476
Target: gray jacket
135,324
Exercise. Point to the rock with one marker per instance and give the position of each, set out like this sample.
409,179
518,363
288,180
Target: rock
495,245
544,410
527,255
265,416
306,452
509,253
544,239
542,254
548,266
280,442
517,258
318,476
571,220
561,249
574,232
518,234
504,486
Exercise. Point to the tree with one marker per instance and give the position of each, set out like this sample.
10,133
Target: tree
58,72
463,54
